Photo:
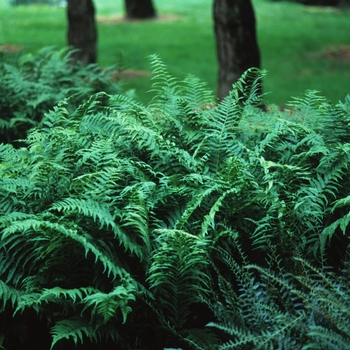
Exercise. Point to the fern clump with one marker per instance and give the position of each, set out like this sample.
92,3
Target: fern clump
271,309
83,203
177,214
31,84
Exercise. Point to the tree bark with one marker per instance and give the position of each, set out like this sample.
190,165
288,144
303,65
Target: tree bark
82,32
236,41
140,9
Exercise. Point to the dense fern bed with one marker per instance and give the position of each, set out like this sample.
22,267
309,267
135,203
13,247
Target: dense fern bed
188,223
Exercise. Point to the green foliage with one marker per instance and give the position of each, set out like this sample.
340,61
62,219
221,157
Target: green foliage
305,60
120,221
177,274
276,310
30,85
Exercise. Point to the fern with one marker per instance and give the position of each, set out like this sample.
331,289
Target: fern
114,214
256,314
8,293
177,275
165,85
33,83
86,207
77,328
106,305
277,310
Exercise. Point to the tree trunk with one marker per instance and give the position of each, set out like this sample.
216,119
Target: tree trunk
236,42
82,32
139,9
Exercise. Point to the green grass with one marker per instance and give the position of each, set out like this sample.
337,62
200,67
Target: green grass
287,32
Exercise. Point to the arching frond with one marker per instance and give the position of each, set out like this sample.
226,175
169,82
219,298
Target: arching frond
9,294
177,275
76,328
107,304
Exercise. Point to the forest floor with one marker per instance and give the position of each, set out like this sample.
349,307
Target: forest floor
338,53
122,19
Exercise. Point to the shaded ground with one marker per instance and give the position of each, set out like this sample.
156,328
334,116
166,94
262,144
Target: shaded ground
130,74
123,74
121,19
10,48
316,9
338,53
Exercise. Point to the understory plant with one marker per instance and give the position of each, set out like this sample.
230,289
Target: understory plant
187,223
31,84
269,308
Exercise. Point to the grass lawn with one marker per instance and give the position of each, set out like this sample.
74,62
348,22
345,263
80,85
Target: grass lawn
292,39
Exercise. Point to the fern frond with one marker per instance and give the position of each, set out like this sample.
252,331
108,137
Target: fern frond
165,84
177,275
245,337
209,219
325,301
136,217
36,225
197,102
248,87
98,211
101,213
221,131
8,293
107,304
17,255
192,205
76,328
325,338
76,294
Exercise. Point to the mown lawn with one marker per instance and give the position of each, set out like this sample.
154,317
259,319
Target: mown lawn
292,40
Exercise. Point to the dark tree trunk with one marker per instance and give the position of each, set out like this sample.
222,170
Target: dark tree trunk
236,42
82,32
140,9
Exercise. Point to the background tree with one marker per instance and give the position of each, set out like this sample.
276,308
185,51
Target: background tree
82,32
140,9
236,41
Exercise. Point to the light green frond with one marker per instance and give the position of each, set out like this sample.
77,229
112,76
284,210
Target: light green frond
209,219
165,84
107,305
76,328
136,218
40,226
248,87
76,294
9,294
192,205
98,211
178,275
